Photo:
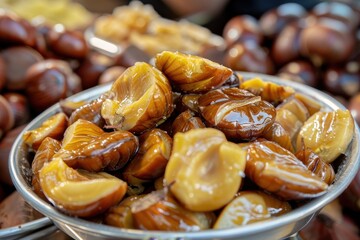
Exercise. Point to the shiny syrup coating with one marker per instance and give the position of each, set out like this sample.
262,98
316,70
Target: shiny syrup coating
237,112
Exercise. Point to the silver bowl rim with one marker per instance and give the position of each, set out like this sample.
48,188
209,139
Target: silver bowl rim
310,208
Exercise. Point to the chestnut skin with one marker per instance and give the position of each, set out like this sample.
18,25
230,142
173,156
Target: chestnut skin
17,61
354,107
16,30
274,20
242,28
249,57
2,74
111,74
286,46
300,71
67,43
327,41
343,81
20,107
7,118
50,74
92,67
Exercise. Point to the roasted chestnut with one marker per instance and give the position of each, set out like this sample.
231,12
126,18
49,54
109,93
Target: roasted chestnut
301,71
274,20
7,117
20,107
17,61
242,28
111,74
67,43
249,57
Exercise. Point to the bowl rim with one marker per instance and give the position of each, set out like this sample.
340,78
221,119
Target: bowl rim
312,207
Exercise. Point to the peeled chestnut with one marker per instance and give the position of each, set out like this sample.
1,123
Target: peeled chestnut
326,41
15,30
67,43
344,81
300,71
92,67
274,20
242,28
249,57
17,61
19,105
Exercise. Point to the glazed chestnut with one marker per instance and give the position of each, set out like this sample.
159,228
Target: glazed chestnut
67,43
7,118
17,61
274,20
20,107
337,10
92,67
15,30
344,81
327,41
301,71
242,28
186,121
50,74
249,57
236,112
111,74
2,74
286,46
354,107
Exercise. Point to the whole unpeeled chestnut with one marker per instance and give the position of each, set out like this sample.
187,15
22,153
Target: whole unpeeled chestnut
17,60
344,81
15,30
299,71
274,20
286,46
111,74
249,57
7,119
92,67
2,73
67,43
242,28
48,82
327,41
20,107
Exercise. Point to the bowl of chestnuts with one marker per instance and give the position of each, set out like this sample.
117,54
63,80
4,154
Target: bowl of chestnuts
186,148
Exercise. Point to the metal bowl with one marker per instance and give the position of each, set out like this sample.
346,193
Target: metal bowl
274,228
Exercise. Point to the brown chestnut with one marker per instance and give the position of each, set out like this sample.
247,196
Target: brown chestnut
300,71
7,119
343,81
15,30
337,10
20,107
286,46
111,74
48,82
67,43
242,28
17,61
130,55
274,20
354,107
249,57
327,41
5,147
92,67
2,73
